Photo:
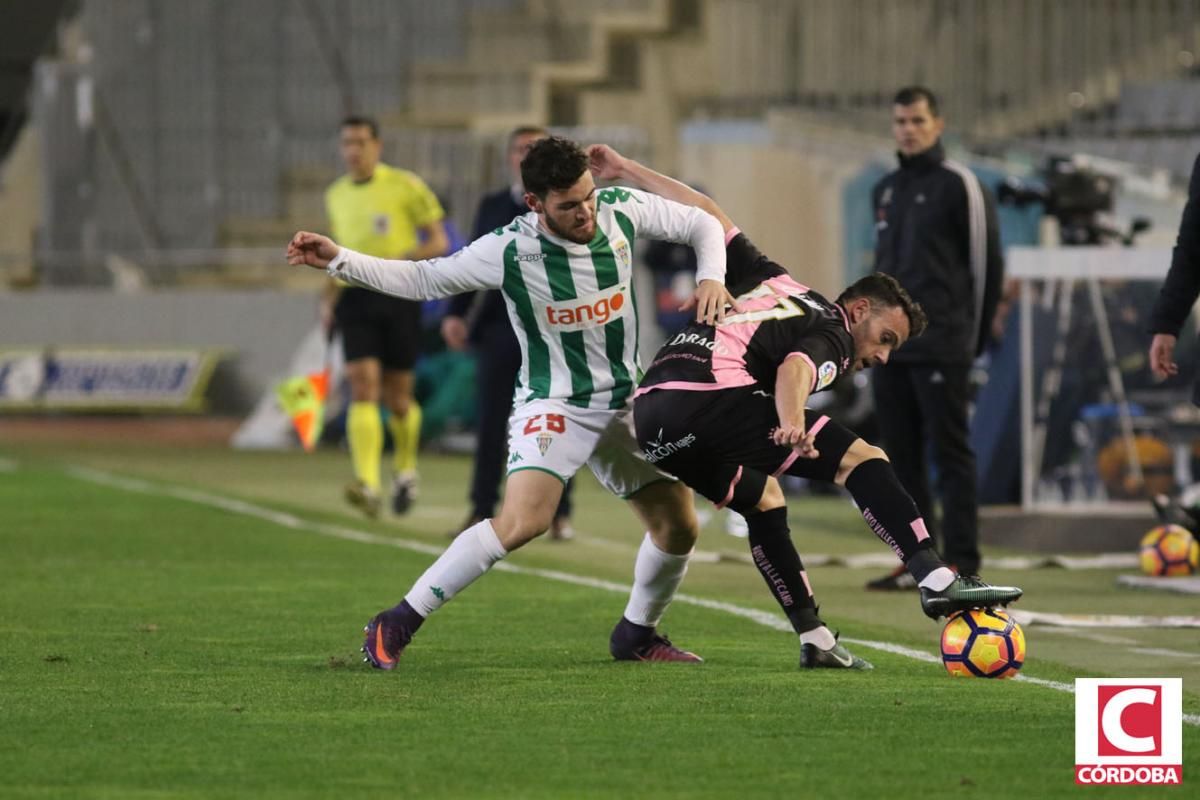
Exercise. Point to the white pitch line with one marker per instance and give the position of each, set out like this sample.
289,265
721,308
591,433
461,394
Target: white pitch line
8,465
1090,635
765,618
1159,651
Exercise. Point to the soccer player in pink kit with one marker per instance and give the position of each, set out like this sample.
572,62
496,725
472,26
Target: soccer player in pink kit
722,407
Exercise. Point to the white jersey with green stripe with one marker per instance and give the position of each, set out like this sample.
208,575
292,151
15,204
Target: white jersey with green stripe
572,306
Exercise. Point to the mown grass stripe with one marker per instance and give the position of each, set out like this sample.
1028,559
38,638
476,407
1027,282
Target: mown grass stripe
291,521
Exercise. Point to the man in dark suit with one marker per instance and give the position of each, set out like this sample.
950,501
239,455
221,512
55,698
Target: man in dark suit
1179,290
936,233
479,319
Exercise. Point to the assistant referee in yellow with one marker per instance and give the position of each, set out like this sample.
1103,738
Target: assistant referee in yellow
390,213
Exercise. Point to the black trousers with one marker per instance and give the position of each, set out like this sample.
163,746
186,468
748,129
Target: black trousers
923,408
498,362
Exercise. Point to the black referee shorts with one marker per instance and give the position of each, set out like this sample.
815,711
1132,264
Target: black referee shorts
375,325
719,442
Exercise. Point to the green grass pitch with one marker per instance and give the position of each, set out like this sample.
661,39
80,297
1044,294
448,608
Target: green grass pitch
194,633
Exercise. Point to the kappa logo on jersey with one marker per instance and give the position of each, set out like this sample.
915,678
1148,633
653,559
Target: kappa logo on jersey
825,374
589,311
615,194
531,256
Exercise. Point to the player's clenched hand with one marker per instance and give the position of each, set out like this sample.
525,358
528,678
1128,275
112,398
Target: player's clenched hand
311,249
605,163
710,300
794,436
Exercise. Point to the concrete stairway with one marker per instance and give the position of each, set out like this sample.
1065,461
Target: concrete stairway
523,68
531,67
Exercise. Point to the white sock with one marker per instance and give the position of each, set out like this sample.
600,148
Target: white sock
470,555
939,579
656,576
822,637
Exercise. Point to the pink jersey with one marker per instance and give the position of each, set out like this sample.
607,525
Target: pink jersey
779,319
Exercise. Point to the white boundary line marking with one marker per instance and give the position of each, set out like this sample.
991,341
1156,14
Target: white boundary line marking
8,464
765,618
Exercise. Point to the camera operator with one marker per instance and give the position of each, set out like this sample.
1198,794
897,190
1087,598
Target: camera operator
936,233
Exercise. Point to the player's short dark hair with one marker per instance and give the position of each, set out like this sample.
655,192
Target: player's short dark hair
886,292
915,94
526,130
553,163
360,121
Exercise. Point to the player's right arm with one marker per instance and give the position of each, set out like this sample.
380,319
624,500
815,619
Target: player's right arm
793,383
609,165
477,266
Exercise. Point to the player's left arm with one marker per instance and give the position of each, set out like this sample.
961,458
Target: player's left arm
609,165
657,218
794,381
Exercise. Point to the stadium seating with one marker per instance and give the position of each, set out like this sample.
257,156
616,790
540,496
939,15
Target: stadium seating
214,119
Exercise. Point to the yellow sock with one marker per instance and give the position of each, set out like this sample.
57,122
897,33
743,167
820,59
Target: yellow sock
365,433
406,435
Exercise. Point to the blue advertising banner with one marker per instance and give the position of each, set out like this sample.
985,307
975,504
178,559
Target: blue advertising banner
104,379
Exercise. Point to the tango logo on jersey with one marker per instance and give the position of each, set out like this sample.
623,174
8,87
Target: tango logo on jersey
589,311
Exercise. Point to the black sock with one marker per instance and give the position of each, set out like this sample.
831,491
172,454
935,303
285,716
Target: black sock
779,563
406,616
631,634
892,514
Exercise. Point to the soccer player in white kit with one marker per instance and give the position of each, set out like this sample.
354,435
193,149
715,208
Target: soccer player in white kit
565,270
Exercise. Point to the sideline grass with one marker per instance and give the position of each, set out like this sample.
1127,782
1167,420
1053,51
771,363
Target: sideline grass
153,647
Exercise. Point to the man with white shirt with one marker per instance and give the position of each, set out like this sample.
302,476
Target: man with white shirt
565,270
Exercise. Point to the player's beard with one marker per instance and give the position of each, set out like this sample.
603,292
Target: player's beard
570,234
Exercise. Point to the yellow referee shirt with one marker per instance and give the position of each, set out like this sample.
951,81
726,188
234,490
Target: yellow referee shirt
381,216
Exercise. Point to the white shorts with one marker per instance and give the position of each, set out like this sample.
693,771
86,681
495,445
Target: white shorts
558,438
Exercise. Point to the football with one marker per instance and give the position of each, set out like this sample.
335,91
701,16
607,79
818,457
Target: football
983,643
1169,550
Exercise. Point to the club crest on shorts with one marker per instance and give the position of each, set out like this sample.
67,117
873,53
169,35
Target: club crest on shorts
543,442
825,374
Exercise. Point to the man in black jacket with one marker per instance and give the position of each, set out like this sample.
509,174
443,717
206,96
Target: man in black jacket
1179,292
936,233
481,320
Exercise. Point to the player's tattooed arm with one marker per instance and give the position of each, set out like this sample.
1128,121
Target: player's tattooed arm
793,384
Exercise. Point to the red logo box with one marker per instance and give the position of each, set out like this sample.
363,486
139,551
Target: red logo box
1128,731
